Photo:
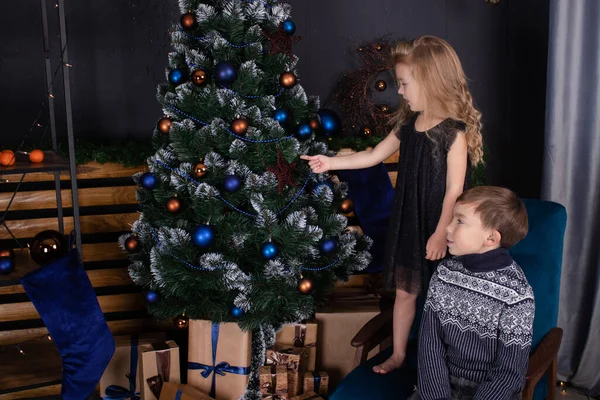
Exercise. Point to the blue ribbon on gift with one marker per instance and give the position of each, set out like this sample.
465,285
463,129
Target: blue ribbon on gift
116,392
317,379
215,369
178,394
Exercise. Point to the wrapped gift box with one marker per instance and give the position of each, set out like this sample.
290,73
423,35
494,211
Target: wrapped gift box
307,396
300,335
292,357
274,381
122,375
317,382
219,359
174,391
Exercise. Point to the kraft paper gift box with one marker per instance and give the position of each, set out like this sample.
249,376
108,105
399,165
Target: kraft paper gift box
300,335
294,383
174,391
274,381
122,375
219,359
317,382
338,323
307,396
159,363
292,357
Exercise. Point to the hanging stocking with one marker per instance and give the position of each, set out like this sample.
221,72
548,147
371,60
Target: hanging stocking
63,296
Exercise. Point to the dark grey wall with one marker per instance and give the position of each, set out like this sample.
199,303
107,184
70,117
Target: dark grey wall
119,50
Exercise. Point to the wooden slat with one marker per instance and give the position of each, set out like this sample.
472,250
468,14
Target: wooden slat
44,391
123,327
86,171
111,303
46,199
102,252
99,278
89,224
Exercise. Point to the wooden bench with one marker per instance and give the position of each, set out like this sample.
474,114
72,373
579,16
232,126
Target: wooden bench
108,207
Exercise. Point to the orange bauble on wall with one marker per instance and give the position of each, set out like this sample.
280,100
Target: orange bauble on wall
36,156
7,157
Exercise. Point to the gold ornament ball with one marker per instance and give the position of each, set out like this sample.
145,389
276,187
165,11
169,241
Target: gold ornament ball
366,131
7,253
380,85
164,125
199,170
314,124
305,286
347,206
180,322
239,126
173,205
199,77
288,80
384,108
188,21
132,244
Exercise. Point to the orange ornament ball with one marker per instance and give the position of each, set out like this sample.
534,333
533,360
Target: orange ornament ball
7,158
36,156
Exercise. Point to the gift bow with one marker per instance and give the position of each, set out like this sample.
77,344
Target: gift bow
282,357
216,369
116,392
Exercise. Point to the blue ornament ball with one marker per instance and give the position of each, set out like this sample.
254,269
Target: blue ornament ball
289,27
268,250
148,181
281,115
304,131
331,124
328,245
151,296
176,76
203,235
232,183
7,265
225,73
237,312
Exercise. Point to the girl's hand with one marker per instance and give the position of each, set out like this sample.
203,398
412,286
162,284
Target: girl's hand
318,163
436,246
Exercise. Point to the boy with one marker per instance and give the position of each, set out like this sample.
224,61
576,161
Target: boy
477,322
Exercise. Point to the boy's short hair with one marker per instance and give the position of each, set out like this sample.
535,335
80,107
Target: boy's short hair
499,209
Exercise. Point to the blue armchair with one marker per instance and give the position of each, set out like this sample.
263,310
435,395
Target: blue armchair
540,257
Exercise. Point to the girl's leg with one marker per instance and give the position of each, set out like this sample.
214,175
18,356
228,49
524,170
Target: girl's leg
404,314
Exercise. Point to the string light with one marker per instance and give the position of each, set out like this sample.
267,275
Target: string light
563,388
49,337
69,65
51,95
20,350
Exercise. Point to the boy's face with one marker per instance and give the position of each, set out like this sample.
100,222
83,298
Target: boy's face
466,235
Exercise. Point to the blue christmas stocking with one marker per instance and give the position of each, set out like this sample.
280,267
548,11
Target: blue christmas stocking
63,296
372,193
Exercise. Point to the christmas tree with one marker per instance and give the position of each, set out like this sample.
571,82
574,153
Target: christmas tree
234,227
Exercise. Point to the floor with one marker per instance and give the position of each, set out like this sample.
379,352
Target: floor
571,394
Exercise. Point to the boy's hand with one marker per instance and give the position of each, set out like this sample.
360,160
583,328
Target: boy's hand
318,163
436,246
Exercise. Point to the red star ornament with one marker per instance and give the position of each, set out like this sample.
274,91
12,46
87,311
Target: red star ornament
283,172
281,42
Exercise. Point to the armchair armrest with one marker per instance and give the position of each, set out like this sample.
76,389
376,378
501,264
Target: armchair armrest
372,334
542,361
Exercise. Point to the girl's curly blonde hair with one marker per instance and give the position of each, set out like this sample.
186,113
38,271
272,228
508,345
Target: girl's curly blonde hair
435,65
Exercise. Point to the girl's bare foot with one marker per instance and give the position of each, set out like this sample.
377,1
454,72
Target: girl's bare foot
392,363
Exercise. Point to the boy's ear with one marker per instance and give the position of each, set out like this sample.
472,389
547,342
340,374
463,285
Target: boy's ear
495,238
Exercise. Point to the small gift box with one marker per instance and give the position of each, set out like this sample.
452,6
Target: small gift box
292,357
159,363
317,382
173,391
307,396
274,381
300,335
121,377
219,359
294,383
